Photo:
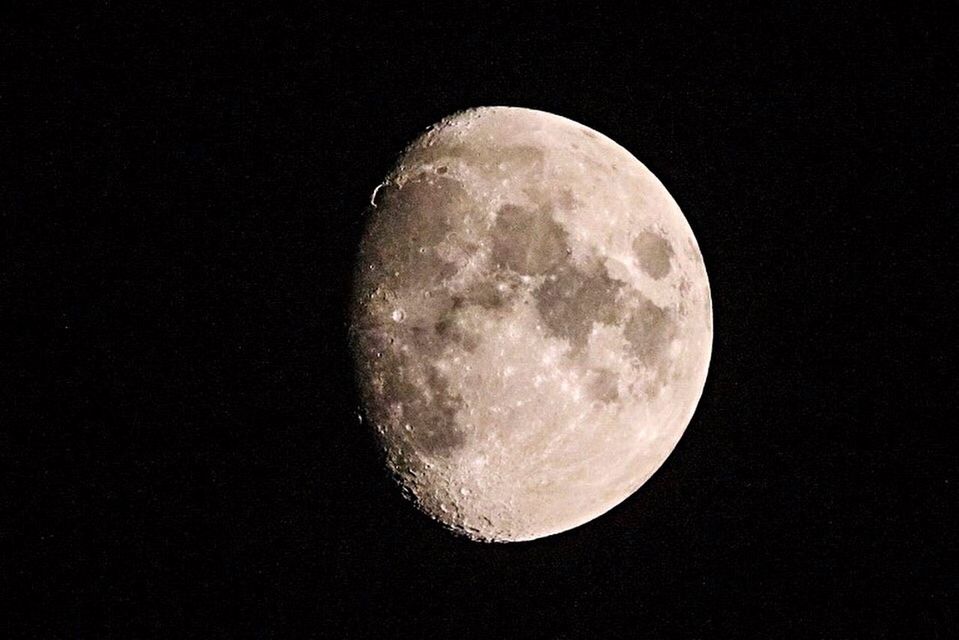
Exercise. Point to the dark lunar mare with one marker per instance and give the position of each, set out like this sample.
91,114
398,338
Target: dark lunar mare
399,255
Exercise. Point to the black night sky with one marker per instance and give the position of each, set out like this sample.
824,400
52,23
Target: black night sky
181,205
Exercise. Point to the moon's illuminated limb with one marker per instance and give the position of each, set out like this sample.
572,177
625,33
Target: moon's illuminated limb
531,323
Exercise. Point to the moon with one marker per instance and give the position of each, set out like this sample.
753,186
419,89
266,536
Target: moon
531,323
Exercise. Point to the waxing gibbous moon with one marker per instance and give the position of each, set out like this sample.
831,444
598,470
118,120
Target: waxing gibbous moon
531,323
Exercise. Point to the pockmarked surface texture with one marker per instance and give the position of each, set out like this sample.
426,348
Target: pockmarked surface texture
531,323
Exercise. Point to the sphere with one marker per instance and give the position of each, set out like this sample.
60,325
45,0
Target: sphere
531,323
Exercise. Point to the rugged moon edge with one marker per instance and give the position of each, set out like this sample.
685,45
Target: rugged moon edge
531,323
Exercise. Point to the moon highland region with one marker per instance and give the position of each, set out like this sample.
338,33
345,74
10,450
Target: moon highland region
531,323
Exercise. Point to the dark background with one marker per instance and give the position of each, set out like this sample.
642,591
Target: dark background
181,206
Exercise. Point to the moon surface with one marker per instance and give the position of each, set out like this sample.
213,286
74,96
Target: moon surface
531,323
